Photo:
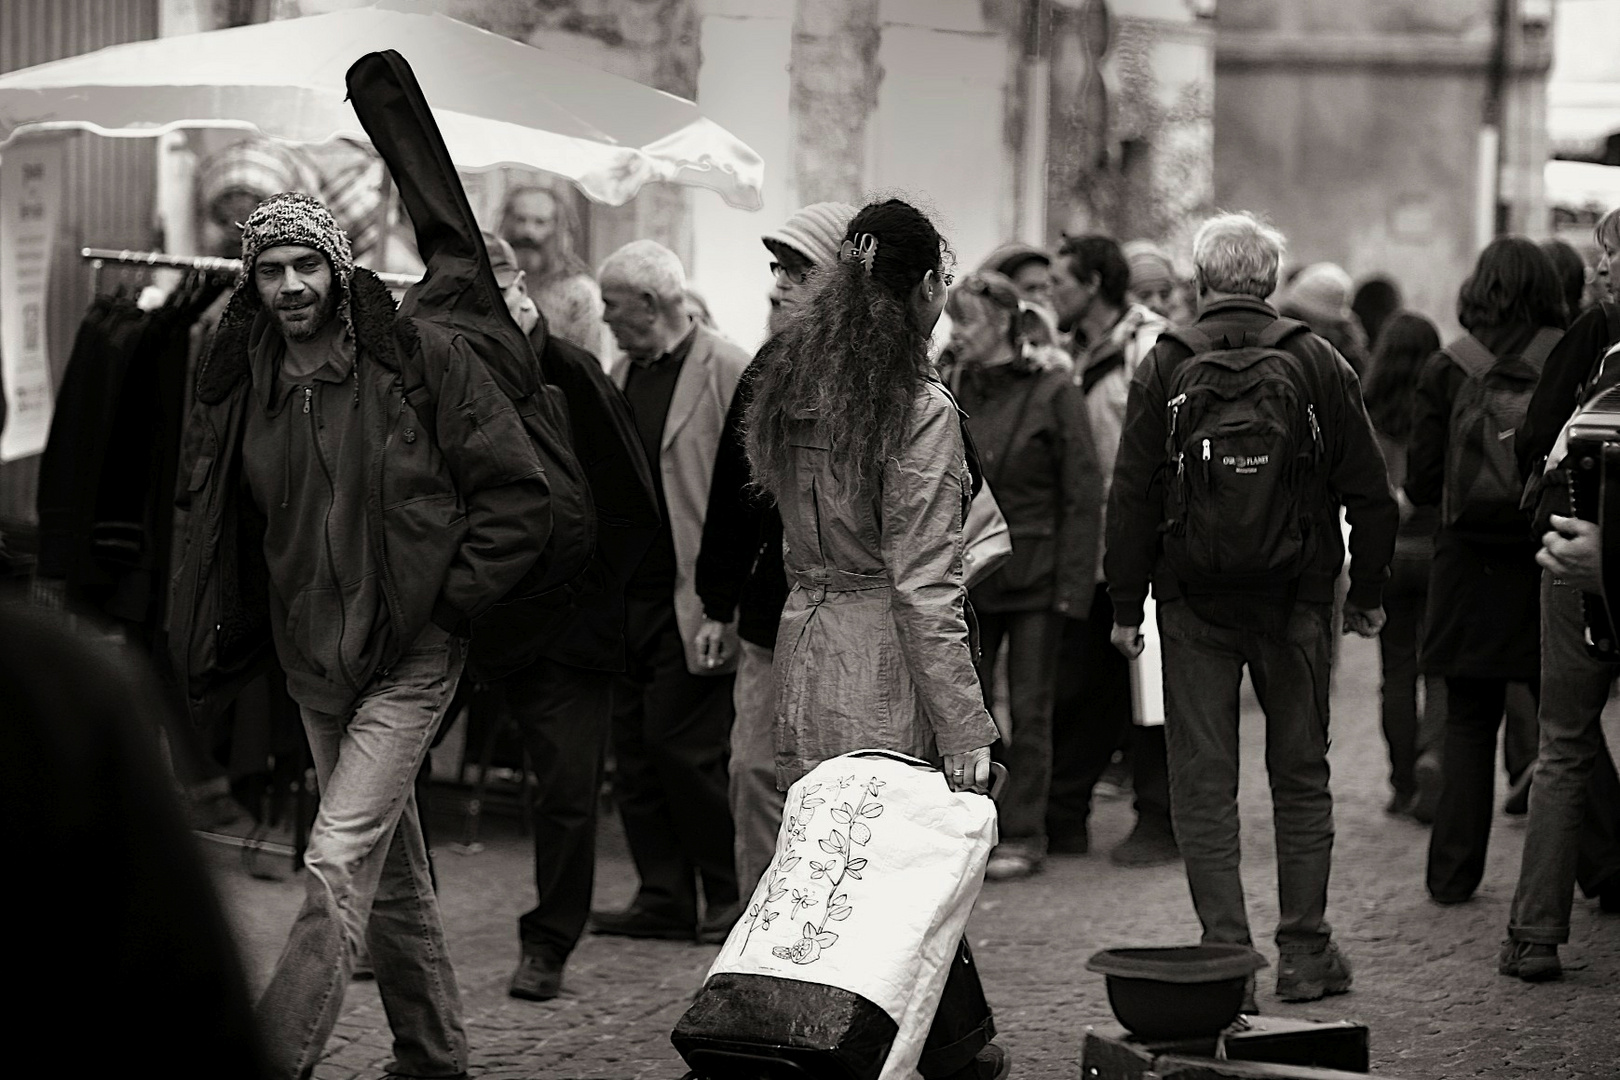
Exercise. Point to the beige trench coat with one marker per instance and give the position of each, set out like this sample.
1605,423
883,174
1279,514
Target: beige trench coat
873,648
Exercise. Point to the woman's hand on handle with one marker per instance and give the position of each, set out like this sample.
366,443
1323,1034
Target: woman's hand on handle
969,771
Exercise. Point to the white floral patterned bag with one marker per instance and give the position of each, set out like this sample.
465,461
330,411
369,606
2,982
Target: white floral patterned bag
877,866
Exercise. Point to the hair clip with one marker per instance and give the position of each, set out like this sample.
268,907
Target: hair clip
863,248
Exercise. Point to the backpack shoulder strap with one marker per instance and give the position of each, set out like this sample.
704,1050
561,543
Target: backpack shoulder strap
1542,345
1470,354
1196,340
1280,331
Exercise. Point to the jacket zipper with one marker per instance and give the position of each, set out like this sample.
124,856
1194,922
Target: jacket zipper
374,505
326,537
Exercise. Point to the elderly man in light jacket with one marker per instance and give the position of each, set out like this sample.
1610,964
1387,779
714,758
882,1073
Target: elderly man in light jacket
672,707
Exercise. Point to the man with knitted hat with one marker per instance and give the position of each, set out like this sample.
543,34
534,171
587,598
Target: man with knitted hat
1154,282
332,521
739,567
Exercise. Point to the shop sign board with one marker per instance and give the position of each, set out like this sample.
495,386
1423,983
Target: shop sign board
31,185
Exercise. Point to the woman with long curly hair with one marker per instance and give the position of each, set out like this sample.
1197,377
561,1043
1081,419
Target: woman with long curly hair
863,452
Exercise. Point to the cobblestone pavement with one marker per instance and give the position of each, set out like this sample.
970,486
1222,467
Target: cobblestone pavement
1426,980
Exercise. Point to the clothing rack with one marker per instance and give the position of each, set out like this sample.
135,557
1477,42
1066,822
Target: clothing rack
99,257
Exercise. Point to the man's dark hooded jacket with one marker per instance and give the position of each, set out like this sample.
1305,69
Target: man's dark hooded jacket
456,521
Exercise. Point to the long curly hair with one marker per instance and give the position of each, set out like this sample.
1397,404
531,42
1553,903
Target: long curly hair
854,358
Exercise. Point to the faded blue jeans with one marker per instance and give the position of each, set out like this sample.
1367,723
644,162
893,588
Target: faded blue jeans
1203,665
367,877
1574,689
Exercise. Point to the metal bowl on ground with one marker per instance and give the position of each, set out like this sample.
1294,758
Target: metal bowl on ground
1178,992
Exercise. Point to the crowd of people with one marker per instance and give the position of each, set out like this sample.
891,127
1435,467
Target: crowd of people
1238,462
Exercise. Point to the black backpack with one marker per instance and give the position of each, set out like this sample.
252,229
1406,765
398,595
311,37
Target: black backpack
1243,449
1482,482
459,293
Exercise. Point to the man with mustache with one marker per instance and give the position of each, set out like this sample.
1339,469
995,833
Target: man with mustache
540,228
328,520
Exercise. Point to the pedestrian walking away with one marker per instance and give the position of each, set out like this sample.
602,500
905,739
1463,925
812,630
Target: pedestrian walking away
330,517
1484,610
1237,531
1415,734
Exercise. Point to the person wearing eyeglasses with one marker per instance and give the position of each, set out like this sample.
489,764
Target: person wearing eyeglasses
739,567
1028,420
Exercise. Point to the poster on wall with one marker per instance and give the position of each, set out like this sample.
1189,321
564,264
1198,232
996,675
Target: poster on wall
30,198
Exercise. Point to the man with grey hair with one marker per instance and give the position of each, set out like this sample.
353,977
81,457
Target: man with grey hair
1266,503
672,708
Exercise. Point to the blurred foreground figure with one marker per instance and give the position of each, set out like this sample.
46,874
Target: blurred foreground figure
86,807
330,517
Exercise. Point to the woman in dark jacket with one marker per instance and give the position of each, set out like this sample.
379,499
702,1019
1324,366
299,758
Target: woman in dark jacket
1406,340
1029,422
1484,609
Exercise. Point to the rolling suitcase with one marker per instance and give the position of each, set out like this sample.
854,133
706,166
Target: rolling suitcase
852,942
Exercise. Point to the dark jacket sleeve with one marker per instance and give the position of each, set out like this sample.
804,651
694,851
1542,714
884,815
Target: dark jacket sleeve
1431,420
1080,509
606,443
1136,499
1358,478
1558,392
733,524
500,480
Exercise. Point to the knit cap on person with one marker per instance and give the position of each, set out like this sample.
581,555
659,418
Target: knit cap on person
291,217
1321,290
1149,264
814,231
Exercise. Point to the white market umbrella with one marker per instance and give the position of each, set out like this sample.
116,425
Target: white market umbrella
497,101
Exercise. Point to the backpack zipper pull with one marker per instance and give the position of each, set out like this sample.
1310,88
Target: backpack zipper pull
1206,449
309,392
1316,430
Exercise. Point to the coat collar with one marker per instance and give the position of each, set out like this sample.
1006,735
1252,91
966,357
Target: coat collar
379,334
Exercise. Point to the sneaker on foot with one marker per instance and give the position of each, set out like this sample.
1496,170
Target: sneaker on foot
1145,847
1529,961
1305,974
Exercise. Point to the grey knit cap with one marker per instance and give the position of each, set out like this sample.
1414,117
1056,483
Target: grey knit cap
815,231
291,217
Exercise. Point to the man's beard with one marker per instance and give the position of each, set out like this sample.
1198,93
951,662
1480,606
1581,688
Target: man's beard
313,318
531,258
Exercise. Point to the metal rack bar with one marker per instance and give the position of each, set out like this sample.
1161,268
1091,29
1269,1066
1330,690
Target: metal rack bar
98,257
